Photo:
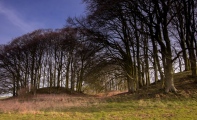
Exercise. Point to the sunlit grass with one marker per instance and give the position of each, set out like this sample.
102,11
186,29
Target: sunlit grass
129,110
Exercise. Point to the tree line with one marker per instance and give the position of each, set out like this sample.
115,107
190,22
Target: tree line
118,45
53,59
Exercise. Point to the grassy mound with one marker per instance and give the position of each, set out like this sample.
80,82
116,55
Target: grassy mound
184,82
54,90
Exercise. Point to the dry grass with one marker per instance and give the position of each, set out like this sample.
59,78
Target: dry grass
45,102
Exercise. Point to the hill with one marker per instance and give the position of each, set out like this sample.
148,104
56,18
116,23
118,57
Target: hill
184,82
149,103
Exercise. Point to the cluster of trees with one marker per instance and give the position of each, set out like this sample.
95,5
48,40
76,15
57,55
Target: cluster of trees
144,34
53,59
118,45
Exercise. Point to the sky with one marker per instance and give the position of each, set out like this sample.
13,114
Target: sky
18,17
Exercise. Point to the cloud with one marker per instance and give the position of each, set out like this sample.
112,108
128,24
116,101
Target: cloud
17,20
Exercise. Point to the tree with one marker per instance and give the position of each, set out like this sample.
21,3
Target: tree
189,15
110,19
123,22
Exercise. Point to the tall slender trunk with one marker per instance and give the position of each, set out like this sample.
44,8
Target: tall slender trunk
67,73
190,33
155,50
182,43
146,62
14,85
168,69
73,70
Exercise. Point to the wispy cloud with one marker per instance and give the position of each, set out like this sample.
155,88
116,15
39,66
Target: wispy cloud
17,20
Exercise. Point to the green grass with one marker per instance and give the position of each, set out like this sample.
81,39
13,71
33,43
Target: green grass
128,110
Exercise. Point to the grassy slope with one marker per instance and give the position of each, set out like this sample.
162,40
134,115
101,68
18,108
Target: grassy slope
150,103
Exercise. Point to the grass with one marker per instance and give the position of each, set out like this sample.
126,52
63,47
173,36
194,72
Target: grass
149,104
128,110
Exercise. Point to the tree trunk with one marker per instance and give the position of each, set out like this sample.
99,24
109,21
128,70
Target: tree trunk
14,85
169,79
130,80
131,85
67,72
146,62
190,33
168,69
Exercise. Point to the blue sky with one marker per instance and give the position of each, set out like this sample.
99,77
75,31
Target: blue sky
18,17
